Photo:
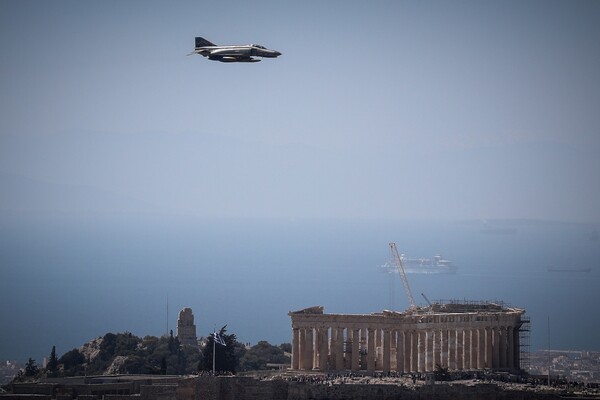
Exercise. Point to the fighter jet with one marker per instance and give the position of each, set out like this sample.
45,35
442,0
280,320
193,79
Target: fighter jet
236,53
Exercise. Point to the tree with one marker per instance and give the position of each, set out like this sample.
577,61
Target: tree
226,356
286,347
107,346
150,355
72,362
126,344
163,366
173,343
31,368
52,365
262,354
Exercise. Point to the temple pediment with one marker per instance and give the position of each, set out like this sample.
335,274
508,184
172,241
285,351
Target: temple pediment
309,310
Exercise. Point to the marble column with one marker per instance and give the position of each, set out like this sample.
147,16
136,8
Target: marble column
452,349
310,354
316,347
295,348
355,349
302,350
379,349
421,338
393,351
510,351
348,349
437,350
480,348
473,350
414,351
387,350
517,348
371,356
459,349
339,351
323,348
488,348
407,350
467,349
400,351
502,344
444,349
496,347
332,348
429,351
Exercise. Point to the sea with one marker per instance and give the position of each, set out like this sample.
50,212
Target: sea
65,282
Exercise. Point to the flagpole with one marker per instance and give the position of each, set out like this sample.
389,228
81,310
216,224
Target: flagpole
214,348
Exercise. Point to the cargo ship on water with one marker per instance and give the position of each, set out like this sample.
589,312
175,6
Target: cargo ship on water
434,265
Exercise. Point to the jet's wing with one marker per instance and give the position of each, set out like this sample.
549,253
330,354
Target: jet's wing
232,58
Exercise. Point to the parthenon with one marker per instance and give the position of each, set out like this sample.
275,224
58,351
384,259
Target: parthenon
456,336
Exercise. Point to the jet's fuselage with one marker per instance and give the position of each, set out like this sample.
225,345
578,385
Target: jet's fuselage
238,53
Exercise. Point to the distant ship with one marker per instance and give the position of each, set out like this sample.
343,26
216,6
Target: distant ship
561,269
435,265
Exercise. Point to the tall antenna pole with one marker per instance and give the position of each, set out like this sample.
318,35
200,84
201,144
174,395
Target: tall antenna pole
548,351
167,333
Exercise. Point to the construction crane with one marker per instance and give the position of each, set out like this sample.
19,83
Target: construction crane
400,267
426,299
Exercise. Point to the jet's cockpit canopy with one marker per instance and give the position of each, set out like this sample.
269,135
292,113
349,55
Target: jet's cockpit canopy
258,46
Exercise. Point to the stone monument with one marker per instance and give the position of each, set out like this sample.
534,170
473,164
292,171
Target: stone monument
186,330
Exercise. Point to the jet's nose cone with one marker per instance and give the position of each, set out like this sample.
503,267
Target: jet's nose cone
276,53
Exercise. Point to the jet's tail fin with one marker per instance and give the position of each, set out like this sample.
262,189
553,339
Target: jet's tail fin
201,42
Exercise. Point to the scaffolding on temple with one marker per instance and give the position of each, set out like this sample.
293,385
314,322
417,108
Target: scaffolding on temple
524,340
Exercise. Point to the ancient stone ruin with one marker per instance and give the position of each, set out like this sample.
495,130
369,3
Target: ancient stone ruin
465,336
186,330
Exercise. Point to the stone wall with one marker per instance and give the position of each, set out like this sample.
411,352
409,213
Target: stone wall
303,391
233,388
25,397
34,388
246,388
158,392
186,390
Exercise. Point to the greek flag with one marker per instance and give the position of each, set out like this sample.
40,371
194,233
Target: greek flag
219,339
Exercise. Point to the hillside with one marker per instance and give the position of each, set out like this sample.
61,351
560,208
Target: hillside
125,353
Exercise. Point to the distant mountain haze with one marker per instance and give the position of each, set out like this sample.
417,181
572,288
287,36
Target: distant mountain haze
24,197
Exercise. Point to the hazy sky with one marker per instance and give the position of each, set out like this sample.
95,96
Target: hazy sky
376,109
